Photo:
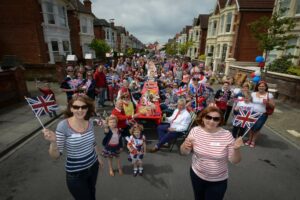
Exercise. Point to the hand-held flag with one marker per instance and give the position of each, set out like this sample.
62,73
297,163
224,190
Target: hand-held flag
42,105
246,118
181,91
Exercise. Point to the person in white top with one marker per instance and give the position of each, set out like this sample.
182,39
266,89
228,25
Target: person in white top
212,147
260,98
177,123
244,103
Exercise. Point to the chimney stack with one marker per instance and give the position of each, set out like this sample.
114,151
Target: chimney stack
112,23
88,5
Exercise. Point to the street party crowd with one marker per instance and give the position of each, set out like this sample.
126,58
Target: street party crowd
178,96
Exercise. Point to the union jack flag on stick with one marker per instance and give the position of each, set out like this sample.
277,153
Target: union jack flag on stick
42,105
181,91
246,118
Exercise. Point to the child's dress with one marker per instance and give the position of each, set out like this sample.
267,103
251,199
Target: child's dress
136,148
112,144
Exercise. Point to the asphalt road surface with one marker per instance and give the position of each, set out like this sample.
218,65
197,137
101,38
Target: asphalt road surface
270,171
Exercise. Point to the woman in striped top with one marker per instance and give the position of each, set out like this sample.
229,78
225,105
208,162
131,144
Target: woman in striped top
212,146
76,134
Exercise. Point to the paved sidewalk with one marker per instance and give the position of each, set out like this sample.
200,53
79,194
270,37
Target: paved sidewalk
284,121
17,122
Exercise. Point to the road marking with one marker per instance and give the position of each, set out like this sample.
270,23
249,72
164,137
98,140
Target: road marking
282,137
294,133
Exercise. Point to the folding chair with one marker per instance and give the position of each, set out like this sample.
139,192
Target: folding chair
185,133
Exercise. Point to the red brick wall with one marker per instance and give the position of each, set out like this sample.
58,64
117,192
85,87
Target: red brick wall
203,41
74,25
21,32
13,87
99,33
246,47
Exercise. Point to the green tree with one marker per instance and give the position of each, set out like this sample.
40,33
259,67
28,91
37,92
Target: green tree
273,33
130,52
171,48
183,48
202,57
100,47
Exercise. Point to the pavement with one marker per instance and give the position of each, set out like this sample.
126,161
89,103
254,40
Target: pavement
17,122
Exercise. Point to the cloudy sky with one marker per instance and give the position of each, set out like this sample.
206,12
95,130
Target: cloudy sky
152,20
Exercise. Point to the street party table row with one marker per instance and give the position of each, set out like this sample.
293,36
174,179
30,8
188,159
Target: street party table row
149,105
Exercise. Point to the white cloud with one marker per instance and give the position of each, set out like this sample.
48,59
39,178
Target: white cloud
151,20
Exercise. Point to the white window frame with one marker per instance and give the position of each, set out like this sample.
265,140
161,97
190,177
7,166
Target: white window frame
84,26
50,12
285,4
218,51
222,24
55,52
214,28
297,7
228,22
209,28
224,52
292,50
66,51
62,16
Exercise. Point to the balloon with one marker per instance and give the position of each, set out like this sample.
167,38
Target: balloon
257,73
259,59
252,75
256,79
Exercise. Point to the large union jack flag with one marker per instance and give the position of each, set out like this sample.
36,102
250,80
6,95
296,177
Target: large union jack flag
246,118
42,105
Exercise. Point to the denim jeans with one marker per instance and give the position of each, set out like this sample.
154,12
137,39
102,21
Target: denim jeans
101,96
164,135
82,184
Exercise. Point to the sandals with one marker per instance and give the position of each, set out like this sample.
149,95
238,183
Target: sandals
248,143
252,144
111,173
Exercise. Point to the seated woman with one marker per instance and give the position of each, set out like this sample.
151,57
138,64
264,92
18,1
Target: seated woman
177,123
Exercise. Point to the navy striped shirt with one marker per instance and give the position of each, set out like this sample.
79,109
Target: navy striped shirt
80,149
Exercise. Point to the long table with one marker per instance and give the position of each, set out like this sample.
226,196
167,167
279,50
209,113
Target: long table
158,113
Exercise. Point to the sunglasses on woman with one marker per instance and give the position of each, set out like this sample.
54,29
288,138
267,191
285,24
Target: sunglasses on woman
84,107
215,119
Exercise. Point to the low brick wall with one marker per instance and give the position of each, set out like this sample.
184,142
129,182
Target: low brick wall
288,85
12,87
49,72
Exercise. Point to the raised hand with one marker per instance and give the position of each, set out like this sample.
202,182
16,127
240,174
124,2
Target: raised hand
238,143
49,135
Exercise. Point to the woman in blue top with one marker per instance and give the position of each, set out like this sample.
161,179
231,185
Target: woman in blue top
76,134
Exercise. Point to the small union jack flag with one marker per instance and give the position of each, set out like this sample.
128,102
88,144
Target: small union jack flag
42,105
181,91
246,118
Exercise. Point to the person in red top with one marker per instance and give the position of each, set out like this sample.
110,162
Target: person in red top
46,90
101,85
123,119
